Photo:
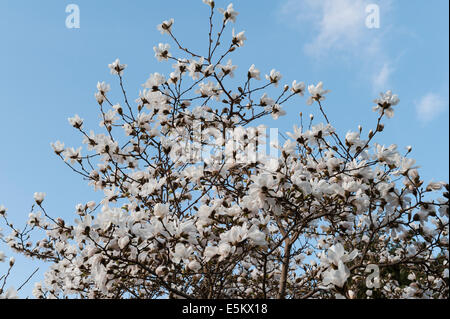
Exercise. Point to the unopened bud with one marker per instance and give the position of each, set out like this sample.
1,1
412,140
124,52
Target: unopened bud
39,197
380,127
351,294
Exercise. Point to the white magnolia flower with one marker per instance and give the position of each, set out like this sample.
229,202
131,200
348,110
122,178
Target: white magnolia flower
405,164
337,277
37,290
274,77
209,89
435,186
276,111
235,235
58,147
181,66
209,70
71,154
34,219
317,93
76,121
116,67
166,26
103,87
99,97
353,139
194,265
2,212
123,242
181,253
351,294
209,3
229,14
412,276
39,197
266,100
210,252
336,256
337,252
254,73
224,249
154,81
389,155
195,68
385,103
238,39
227,69
174,77
256,236
161,210
11,293
162,52
298,88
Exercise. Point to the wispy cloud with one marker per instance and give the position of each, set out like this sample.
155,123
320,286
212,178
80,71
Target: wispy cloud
337,24
339,27
381,79
430,106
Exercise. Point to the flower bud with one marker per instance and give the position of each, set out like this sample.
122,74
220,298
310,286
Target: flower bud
39,197
2,210
380,127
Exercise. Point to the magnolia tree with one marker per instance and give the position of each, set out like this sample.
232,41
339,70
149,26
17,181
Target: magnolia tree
192,207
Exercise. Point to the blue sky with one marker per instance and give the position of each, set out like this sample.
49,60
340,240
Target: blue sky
49,73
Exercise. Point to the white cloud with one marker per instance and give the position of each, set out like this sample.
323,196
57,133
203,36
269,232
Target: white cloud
381,79
430,106
339,27
337,24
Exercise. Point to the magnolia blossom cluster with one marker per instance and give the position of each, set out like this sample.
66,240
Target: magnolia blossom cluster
11,292
306,224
